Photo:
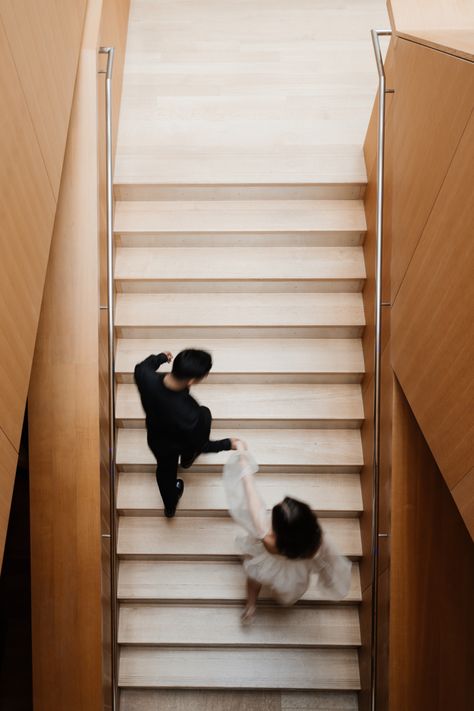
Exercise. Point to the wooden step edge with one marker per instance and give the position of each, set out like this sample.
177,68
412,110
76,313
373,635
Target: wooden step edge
333,626
134,422
223,513
235,594
123,466
144,667
124,375
187,700
125,189
205,557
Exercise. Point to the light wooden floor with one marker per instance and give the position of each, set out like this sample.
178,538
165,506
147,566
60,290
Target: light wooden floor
239,224
231,90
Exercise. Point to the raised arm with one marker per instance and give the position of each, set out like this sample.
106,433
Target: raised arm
149,366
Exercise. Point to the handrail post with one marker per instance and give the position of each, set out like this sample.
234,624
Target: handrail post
110,51
376,34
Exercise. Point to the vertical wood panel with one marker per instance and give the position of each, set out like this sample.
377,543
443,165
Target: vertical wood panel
39,45
64,433
45,38
433,329
432,105
432,622
26,220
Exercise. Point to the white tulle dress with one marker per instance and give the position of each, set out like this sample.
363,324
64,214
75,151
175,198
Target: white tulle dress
288,579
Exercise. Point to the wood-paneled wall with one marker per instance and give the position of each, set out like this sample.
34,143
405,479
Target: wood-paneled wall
39,46
64,434
433,263
433,346
432,622
427,333
434,98
70,590
44,38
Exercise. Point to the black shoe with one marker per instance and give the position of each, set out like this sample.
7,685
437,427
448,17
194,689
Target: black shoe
169,513
187,462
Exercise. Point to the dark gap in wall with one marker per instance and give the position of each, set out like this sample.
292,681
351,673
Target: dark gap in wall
16,692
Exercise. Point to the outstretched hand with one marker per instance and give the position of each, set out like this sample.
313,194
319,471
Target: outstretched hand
238,444
169,356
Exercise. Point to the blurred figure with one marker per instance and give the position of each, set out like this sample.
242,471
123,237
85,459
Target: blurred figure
177,426
284,550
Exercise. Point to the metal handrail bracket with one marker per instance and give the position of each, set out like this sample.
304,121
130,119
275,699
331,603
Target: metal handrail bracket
376,34
110,51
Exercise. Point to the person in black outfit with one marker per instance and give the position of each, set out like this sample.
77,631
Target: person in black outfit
177,426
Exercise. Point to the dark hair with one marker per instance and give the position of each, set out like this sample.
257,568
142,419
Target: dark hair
297,531
191,364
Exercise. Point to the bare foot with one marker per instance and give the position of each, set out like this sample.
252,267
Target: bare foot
248,615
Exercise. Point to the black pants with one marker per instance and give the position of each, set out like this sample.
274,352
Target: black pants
168,457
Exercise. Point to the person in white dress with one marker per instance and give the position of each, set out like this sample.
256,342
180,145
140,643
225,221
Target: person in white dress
282,550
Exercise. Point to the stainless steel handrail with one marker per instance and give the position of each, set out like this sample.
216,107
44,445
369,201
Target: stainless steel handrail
110,51
376,34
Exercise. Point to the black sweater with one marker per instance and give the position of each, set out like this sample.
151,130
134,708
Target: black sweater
172,417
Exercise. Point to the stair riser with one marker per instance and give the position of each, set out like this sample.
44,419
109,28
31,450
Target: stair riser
239,239
189,513
214,557
264,468
266,378
321,424
199,332
160,191
264,600
235,286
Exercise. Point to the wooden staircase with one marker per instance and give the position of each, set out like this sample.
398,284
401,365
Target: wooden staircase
239,227
272,287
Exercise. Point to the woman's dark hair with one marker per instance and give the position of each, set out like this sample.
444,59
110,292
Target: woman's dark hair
191,364
296,528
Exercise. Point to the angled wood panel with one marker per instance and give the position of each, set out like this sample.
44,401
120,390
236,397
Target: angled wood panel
27,213
441,87
430,14
433,331
44,39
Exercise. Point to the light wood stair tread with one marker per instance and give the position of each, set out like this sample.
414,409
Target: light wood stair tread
259,309
239,669
202,581
262,402
243,263
274,448
311,165
201,537
265,358
194,625
189,700
330,493
219,216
